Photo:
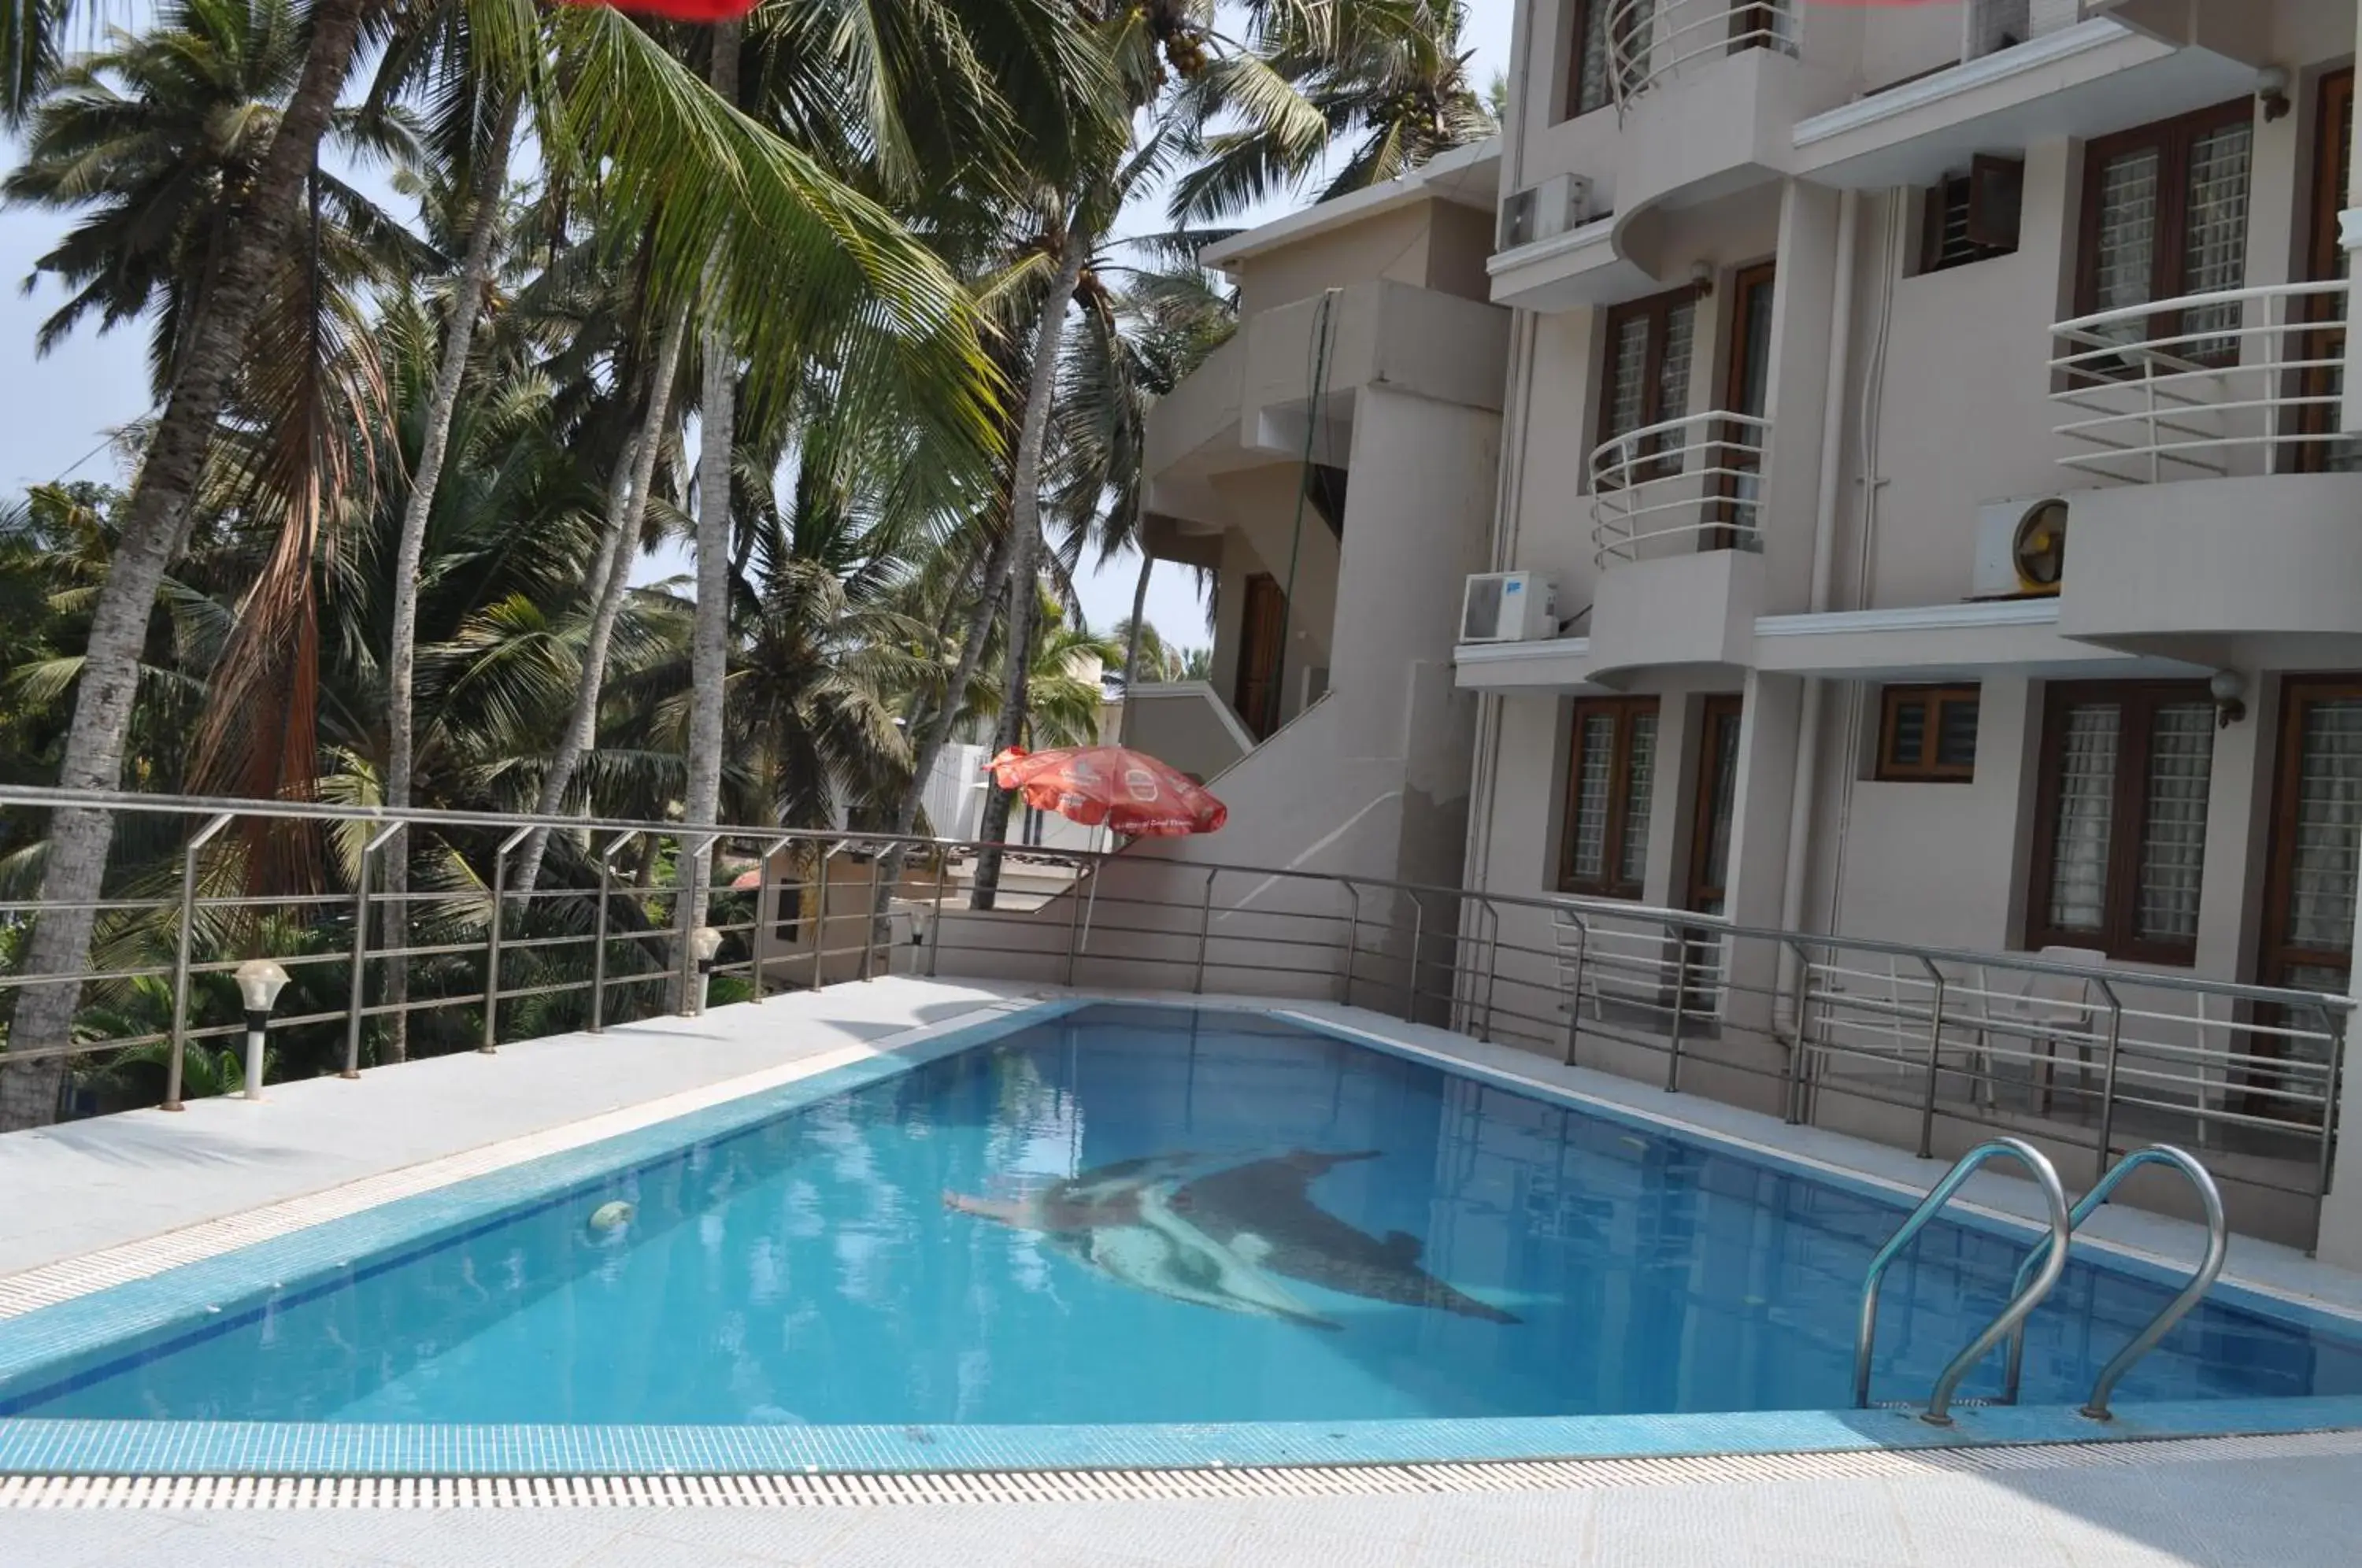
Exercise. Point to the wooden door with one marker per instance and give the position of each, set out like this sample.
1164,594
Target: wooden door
1715,805
2316,836
1746,390
1263,633
2324,349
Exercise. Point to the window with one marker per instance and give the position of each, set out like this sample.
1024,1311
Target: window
2120,820
1997,25
2165,215
1928,734
1591,87
1610,772
1972,217
1647,378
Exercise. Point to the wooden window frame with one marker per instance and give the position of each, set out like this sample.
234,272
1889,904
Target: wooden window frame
1657,311
2273,951
1993,191
1610,884
1923,769
2171,139
2118,936
1580,12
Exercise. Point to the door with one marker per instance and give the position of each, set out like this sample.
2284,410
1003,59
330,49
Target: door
1746,390
1716,804
2316,835
1263,632
2323,351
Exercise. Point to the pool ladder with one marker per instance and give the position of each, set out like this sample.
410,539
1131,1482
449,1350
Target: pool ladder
2041,1271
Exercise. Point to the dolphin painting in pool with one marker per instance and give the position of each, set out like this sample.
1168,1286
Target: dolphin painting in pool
1218,1235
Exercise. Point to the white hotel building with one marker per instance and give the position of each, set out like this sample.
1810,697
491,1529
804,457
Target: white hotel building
1927,425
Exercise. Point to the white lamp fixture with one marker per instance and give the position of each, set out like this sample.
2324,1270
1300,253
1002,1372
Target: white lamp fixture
703,943
260,981
2229,690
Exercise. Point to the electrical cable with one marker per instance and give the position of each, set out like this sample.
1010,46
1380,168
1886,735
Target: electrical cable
1316,380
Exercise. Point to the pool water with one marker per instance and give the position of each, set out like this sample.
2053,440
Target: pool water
1131,1214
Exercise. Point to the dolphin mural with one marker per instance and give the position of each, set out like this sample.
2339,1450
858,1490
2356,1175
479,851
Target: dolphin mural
1216,1237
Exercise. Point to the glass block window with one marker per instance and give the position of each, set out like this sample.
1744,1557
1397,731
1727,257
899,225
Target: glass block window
2121,818
2165,217
1611,775
1646,379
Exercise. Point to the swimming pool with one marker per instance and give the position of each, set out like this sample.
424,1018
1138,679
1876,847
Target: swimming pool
1119,1216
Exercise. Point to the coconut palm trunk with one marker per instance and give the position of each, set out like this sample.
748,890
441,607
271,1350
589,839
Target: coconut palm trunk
1131,642
1025,536
708,647
629,508
155,519
410,549
935,722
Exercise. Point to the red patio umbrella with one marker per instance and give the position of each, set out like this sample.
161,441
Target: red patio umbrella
679,10
1110,786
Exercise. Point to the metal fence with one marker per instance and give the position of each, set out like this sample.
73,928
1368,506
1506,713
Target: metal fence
1928,1048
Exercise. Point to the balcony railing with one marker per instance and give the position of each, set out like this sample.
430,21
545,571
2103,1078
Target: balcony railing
1921,1046
2206,386
1679,486
1651,42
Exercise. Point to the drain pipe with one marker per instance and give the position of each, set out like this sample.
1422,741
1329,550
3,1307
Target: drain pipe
1825,527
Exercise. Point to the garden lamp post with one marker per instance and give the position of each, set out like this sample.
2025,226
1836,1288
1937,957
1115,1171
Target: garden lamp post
259,982
703,943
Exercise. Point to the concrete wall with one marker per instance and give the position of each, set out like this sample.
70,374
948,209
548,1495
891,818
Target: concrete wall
1429,244
1187,724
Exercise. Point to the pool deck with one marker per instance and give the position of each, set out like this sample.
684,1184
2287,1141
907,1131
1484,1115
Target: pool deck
2222,1503
97,1202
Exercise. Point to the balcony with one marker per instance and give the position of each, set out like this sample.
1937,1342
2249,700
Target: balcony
1653,42
2217,517
1679,487
2207,386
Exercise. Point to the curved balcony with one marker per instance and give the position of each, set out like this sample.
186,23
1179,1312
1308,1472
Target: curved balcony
1651,42
1679,487
2217,385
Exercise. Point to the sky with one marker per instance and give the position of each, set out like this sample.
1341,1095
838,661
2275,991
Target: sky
56,412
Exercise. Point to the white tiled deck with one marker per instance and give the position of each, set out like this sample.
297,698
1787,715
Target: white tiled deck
2293,1510
171,1187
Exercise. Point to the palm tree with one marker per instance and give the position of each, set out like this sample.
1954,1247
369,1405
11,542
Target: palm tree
1389,79
810,267
1138,344
151,141
1001,91
154,518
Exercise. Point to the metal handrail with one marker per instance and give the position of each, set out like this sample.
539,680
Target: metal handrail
1642,492
2210,1267
1486,963
2149,407
1649,42
47,796
2022,1300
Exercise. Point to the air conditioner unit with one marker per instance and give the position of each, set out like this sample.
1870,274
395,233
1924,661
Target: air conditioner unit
1508,607
2021,548
1543,211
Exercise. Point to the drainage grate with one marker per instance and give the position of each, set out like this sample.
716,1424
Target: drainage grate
1123,1486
